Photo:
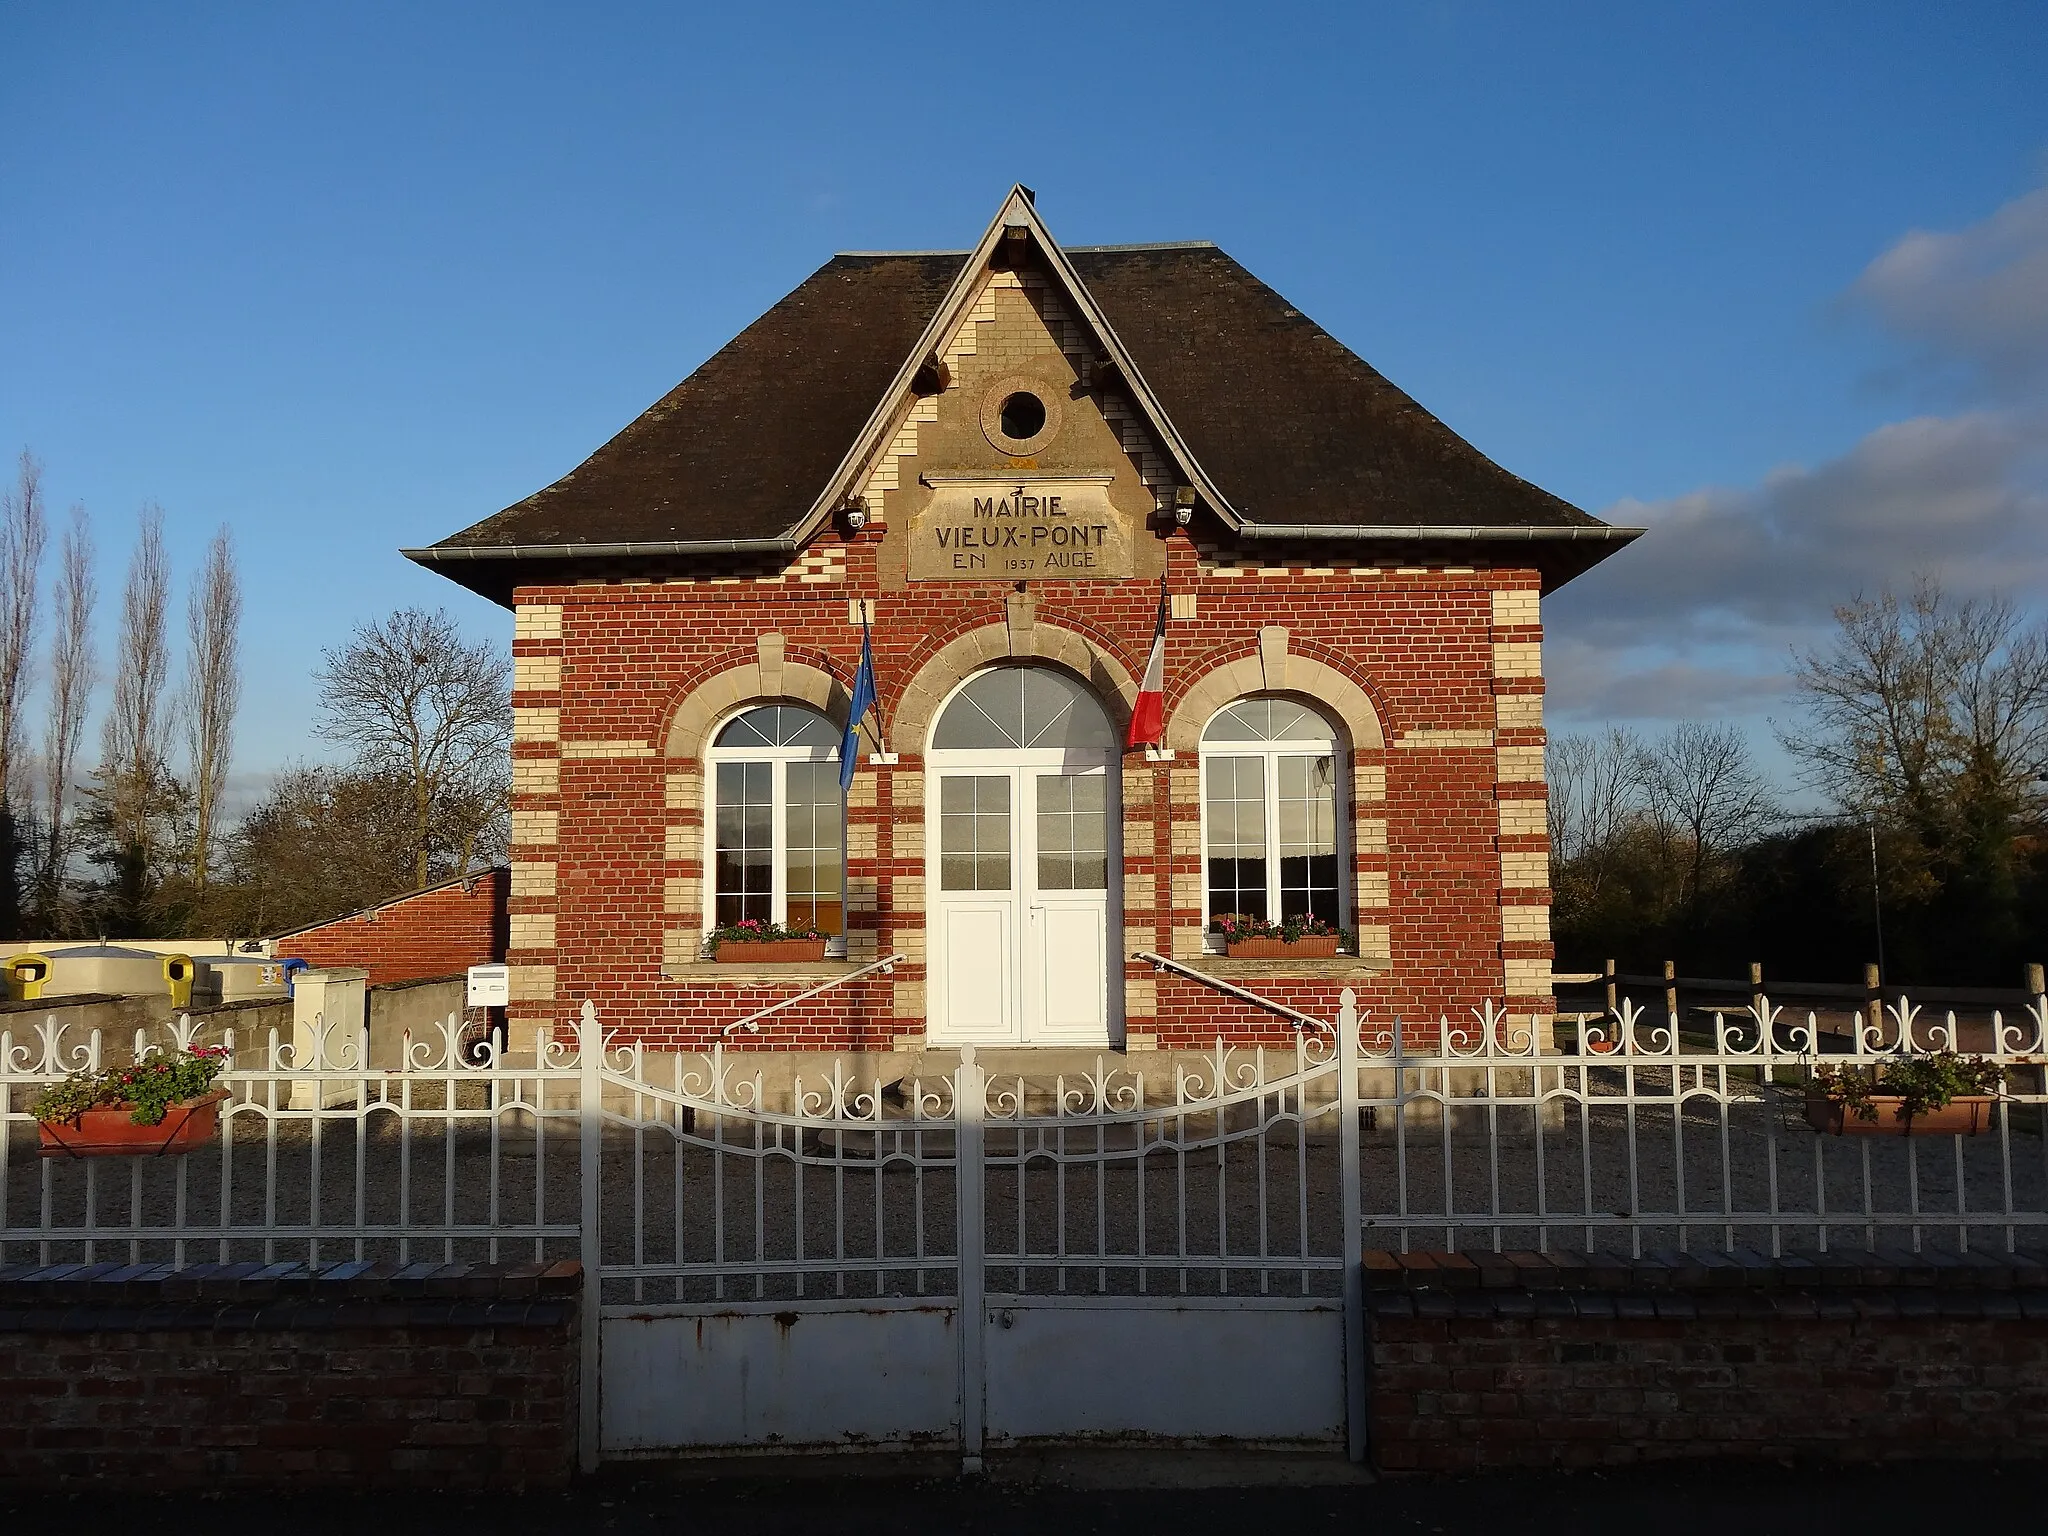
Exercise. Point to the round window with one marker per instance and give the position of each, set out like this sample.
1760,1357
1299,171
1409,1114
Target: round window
1023,415
1020,415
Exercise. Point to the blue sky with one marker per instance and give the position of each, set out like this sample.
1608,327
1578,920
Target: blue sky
350,278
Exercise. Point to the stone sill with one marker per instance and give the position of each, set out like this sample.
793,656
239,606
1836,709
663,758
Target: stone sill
779,974
1335,968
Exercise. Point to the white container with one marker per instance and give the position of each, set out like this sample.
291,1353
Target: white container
106,968
239,978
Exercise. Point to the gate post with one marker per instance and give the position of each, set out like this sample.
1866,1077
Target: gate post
970,1104
590,1122
1350,1179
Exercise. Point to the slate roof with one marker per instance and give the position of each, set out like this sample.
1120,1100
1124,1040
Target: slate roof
1289,425
741,448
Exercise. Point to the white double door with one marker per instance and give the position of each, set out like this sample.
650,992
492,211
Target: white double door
1022,856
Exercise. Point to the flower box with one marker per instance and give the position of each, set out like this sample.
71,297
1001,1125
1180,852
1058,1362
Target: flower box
769,952
1965,1115
111,1131
1309,946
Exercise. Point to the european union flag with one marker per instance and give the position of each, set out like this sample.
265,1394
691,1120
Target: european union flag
862,704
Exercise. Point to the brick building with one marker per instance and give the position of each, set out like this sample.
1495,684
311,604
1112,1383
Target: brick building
1000,457
438,930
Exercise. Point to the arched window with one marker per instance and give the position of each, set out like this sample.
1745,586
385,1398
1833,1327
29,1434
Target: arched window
1269,813
1029,707
776,820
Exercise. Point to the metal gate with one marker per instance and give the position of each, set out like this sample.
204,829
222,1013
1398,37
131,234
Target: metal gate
984,1260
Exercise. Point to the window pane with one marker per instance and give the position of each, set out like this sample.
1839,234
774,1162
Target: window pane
1060,712
743,858
1308,837
811,839
1072,832
987,713
747,730
1237,887
974,832
1235,810
778,725
806,728
1023,707
1268,719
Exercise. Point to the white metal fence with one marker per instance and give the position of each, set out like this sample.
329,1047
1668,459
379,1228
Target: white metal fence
451,1155
1028,1254
1647,1132
1216,1173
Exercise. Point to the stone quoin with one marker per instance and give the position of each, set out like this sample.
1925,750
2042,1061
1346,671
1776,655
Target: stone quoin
1003,463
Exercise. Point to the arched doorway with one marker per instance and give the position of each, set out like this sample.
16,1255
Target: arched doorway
1022,852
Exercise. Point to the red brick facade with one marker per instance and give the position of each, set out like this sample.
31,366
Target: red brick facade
617,843
439,931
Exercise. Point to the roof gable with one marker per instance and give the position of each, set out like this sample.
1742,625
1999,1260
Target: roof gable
1016,229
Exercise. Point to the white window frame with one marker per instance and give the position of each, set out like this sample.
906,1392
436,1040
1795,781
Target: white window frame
1271,752
778,759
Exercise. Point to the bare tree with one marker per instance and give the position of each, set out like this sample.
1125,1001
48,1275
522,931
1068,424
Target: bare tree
22,536
213,691
1703,789
71,684
1596,785
414,698
135,736
1929,712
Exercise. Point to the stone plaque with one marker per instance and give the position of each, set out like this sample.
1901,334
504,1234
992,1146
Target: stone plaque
1026,528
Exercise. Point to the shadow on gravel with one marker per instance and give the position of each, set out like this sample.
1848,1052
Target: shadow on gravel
1717,1500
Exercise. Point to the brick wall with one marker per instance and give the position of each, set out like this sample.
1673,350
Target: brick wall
608,870
429,1377
1527,1361
439,931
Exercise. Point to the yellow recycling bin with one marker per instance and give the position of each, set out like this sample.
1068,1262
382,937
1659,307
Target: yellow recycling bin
178,973
27,975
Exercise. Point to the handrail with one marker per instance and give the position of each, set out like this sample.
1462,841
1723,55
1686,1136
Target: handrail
1160,962
752,1022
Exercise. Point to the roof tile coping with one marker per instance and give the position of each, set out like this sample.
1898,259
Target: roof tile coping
1742,1269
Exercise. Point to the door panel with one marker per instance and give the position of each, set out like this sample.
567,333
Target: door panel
980,977
1074,972
1067,939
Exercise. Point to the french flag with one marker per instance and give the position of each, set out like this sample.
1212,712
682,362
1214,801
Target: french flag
1148,715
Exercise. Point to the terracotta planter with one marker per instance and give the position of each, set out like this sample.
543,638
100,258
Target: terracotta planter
111,1132
1966,1115
1307,947
1601,1047
770,952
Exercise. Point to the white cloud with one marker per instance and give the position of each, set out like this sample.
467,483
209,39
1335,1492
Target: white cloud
1960,497
1586,681
1699,617
1975,298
